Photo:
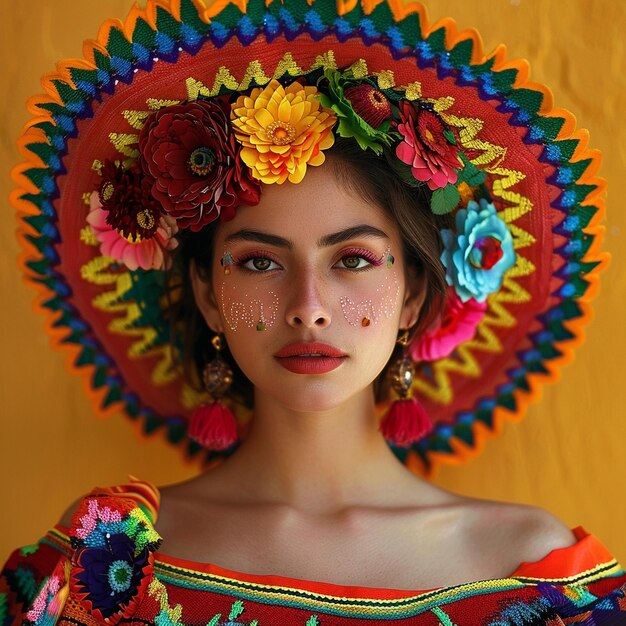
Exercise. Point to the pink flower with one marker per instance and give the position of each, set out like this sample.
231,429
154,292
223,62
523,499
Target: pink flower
433,159
41,602
89,521
457,324
134,251
47,606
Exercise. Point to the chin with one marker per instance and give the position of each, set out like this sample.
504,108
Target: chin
316,396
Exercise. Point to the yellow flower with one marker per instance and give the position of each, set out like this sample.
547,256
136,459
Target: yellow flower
282,131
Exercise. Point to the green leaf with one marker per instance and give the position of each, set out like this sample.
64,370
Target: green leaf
444,200
236,610
471,175
449,135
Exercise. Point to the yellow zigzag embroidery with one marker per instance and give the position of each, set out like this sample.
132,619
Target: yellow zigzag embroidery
254,72
97,271
122,143
158,591
490,158
136,119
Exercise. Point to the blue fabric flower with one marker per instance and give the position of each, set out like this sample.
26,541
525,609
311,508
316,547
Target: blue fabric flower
480,252
110,577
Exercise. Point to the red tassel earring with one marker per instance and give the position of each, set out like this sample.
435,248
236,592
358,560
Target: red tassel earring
406,421
213,425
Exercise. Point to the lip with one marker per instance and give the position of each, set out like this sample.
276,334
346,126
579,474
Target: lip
297,358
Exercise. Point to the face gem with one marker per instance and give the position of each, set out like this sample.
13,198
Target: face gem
226,261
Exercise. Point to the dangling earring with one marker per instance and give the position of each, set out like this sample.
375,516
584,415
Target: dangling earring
213,425
406,421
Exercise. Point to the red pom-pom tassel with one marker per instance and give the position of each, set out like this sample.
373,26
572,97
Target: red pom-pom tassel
405,423
213,426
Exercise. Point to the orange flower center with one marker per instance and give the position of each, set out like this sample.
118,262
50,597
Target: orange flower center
377,99
281,133
429,135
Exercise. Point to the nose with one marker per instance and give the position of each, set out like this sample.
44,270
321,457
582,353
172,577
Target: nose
307,308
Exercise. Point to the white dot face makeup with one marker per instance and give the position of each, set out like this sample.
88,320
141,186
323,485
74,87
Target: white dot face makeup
257,309
382,305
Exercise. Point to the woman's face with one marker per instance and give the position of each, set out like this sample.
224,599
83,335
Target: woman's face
309,288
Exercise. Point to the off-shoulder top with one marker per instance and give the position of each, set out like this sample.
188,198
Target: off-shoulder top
106,569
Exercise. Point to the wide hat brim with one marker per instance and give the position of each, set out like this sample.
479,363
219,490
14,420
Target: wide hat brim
541,174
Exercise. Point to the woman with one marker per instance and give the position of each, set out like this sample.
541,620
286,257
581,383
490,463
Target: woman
355,213
326,489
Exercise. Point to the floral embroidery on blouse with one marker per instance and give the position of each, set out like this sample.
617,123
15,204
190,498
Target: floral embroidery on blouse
47,606
113,559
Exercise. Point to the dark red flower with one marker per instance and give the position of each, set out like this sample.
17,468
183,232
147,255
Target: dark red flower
126,197
192,157
433,159
369,104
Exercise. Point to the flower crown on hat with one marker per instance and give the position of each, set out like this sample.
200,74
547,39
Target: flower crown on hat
198,160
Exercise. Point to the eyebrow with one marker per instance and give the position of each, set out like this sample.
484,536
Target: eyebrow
361,230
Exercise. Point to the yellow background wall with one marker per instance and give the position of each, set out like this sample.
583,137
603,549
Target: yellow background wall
567,455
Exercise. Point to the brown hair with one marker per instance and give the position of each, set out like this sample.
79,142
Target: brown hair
364,173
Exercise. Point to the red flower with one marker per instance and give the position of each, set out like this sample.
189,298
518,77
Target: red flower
369,104
433,159
125,196
190,153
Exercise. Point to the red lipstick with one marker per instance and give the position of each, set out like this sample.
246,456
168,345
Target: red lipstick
310,358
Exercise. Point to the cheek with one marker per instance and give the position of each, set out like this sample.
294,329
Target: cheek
248,308
374,301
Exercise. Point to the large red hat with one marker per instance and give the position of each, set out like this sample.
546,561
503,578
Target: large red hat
101,288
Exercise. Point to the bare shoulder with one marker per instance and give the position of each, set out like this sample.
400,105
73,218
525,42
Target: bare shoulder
513,533
541,532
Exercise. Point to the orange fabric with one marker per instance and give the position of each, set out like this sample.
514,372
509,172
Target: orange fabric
585,554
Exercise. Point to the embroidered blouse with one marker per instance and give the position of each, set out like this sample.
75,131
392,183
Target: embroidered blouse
106,569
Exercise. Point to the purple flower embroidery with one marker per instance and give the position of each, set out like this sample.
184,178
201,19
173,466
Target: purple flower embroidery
109,578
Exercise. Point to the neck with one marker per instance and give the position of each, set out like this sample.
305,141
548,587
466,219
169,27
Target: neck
317,461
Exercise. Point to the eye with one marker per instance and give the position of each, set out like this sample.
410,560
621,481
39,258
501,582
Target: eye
358,259
354,262
257,264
